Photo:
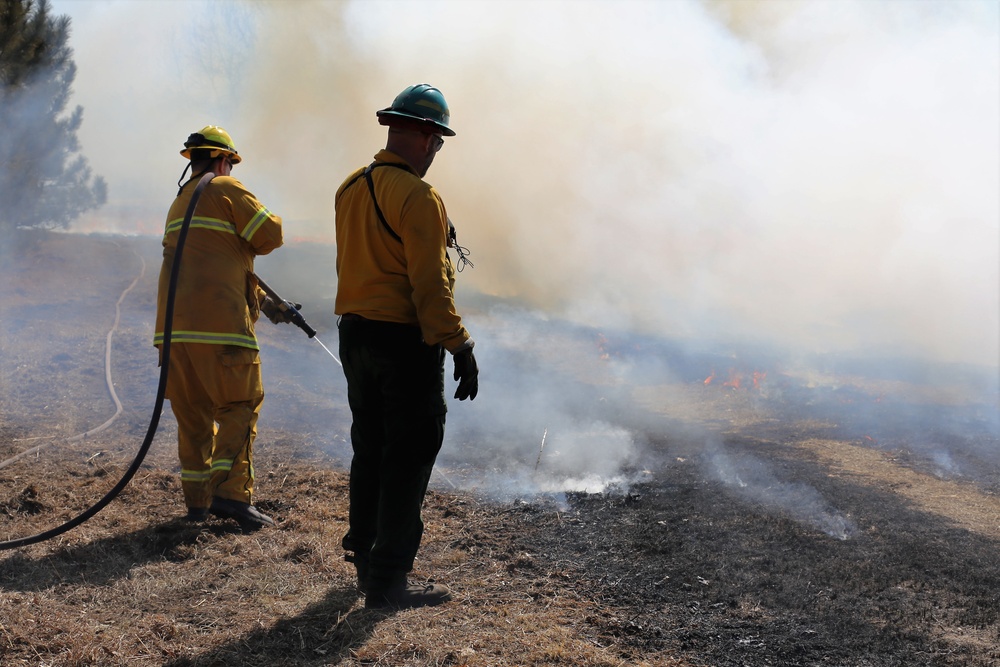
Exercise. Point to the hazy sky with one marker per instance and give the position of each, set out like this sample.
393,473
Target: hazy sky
823,175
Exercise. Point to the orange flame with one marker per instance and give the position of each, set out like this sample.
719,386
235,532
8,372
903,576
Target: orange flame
737,380
758,378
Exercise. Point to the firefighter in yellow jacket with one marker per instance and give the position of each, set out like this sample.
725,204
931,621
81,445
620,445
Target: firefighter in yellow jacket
214,380
395,295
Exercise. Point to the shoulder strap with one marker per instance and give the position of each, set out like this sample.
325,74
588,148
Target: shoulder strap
371,189
367,173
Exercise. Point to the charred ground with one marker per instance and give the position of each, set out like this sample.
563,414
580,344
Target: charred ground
839,519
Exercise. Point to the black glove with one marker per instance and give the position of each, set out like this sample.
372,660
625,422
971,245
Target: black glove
467,374
279,312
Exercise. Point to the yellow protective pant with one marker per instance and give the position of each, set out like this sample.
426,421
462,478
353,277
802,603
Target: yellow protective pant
215,393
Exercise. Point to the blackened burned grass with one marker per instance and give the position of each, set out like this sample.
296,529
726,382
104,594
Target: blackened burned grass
686,568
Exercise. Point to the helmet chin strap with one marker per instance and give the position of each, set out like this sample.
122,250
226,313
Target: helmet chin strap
180,185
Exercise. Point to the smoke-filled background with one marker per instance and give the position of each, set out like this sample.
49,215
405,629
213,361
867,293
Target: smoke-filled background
822,175
800,177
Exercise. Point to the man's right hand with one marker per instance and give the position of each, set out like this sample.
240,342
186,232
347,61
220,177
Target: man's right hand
467,374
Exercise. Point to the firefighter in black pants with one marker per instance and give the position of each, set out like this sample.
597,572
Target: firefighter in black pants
395,296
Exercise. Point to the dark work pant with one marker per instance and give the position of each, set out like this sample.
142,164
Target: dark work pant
395,387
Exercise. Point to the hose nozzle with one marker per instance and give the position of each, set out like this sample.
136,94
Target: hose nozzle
287,307
296,317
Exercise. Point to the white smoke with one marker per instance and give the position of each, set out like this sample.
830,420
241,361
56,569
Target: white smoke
819,176
822,175
754,480
551,415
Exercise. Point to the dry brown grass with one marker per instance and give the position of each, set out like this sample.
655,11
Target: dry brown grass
137,586
682,569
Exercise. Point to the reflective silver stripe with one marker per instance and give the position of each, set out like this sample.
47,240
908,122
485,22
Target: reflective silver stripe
208,338
195,475
255,223
201,222
222,464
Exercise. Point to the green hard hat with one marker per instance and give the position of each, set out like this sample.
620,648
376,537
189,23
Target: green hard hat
422,103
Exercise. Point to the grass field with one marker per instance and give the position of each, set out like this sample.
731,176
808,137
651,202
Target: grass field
834,517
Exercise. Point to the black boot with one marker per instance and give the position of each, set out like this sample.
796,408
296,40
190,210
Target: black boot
402,594
245,514
196,514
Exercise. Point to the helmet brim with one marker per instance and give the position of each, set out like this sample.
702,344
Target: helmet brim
216,151
389,117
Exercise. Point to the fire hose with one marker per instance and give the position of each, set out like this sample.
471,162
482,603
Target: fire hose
107,379
161,389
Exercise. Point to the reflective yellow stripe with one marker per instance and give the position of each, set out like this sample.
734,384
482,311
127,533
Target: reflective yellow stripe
209,338
195,475
222,464
201,222
255,223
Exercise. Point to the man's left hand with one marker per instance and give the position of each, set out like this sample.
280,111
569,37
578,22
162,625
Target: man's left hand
467,374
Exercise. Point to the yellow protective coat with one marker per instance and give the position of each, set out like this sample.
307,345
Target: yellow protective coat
381,278
214,381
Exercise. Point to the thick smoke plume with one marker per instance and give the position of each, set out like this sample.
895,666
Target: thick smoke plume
820,175
809,177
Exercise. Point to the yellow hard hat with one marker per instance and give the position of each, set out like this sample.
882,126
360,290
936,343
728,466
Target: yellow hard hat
213,139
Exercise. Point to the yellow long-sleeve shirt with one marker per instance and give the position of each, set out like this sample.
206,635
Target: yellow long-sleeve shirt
217,298
410,280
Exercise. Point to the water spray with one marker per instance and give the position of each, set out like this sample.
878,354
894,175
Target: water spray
328,351
540,448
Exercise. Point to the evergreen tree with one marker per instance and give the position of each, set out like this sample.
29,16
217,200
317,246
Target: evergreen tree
44,181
